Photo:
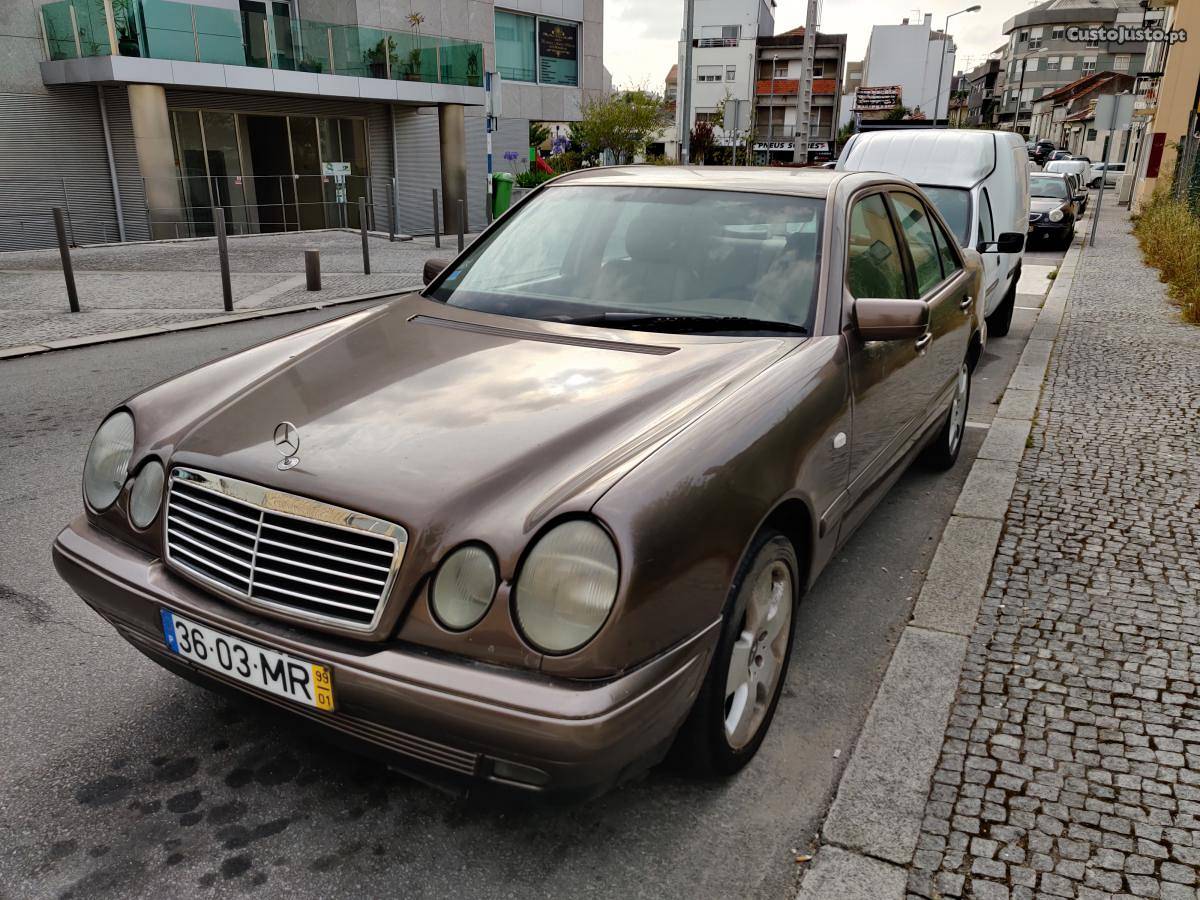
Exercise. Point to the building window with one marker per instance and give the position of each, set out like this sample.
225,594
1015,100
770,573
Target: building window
818,70
1031,65
1058,33
1035,38
1121,62
709,117
516,47
1052,63
1089,65
536,49
1068,63
731,73
719,35
708,73
1022,37
1027,98
1091,134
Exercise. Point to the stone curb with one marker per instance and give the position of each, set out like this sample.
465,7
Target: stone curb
870,835
227,319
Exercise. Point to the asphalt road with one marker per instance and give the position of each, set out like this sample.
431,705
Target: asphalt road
119,779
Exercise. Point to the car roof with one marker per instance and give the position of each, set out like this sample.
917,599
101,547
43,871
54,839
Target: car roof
953,157
806,182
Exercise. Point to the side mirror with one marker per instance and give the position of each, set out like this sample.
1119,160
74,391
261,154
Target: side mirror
891,320
1006,242
433,268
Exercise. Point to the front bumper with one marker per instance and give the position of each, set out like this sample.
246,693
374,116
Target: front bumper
432,716
1046,229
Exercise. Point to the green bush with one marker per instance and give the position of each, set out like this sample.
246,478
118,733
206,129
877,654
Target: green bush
532,178
1168,231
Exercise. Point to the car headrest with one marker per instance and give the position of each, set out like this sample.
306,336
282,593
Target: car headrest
654,235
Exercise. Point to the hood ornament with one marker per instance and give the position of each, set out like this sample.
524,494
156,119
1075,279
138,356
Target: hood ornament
287,442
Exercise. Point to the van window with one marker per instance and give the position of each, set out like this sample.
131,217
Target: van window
987,224
954,204
950,263
918,229
875,268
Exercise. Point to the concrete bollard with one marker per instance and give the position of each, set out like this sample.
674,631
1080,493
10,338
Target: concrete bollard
312,270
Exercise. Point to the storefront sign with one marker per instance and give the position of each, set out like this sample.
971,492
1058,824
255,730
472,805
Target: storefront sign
558,52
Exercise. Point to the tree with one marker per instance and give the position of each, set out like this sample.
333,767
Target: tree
538,134
702,140
622,124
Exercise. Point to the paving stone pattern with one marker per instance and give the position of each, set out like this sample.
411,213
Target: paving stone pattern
1071,763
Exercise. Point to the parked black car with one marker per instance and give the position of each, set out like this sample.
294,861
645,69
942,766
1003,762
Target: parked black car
1042,151
1052,209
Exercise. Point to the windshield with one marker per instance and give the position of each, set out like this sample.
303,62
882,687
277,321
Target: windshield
583,252
955,206
1054,188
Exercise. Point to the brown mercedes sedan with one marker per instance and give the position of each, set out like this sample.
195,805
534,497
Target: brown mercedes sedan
554,514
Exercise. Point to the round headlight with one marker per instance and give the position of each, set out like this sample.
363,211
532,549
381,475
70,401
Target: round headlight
146,495
1056,215
463,587
567,586
107,463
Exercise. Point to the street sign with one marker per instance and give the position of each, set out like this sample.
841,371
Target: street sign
337,169
1114,112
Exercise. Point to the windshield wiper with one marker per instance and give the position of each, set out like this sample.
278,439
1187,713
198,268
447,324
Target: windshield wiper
692,323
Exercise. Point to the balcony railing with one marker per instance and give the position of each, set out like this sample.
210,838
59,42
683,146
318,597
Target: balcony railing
162,29
776,133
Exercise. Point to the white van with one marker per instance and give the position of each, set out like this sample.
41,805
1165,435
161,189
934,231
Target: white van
979,182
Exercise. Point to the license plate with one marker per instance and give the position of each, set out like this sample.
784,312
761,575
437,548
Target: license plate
269,670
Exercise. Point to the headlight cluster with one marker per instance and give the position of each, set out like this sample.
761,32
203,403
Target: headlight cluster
563,593
107,467
1056,215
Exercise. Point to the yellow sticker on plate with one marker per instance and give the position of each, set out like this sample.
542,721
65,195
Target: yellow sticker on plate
322,687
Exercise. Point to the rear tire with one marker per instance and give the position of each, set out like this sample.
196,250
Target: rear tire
942,453
737,701
1000,320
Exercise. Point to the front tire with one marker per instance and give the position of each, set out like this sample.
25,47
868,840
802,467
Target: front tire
737,701
943,452
1000,321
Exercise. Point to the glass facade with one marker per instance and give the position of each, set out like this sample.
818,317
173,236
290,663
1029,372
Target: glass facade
537,49
268,172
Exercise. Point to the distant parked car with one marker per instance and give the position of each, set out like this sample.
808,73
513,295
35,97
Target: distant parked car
1060,154
1079,170
978,180
1042,150
1111,175
1052,209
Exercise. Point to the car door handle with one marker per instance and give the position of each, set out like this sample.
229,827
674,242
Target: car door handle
924,341
965,303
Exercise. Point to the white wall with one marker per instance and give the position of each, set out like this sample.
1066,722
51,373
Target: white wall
904,55
753,16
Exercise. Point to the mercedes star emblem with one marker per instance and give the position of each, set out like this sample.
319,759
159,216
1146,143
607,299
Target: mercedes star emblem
287,442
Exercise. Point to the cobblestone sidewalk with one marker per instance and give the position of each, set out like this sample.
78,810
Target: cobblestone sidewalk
136,286
1071,763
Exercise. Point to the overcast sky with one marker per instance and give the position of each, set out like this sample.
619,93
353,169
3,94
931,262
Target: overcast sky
641,36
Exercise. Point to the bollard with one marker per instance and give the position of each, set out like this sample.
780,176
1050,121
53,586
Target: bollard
362,224
437,222
312,270
223,257
64,250
462,218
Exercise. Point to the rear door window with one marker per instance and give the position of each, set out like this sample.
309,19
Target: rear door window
918,232
874,267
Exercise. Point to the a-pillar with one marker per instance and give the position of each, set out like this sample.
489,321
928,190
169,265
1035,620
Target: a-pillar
453,130
156,159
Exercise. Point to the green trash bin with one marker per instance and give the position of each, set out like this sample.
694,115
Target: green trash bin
502,188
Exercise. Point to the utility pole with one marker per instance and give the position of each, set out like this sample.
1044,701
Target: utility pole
808,57
685,95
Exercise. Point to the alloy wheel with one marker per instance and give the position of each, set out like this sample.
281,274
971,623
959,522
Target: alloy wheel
758,654
958,410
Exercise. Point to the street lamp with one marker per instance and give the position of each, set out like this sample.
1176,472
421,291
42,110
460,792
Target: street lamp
1021,93
937,98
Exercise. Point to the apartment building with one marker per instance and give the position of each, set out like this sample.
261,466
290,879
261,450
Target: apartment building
777,96
724,39
142,117
1044,52
981,92
909,56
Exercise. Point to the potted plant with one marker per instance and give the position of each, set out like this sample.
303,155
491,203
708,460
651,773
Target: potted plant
473,68
310,64
412,63
380,56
